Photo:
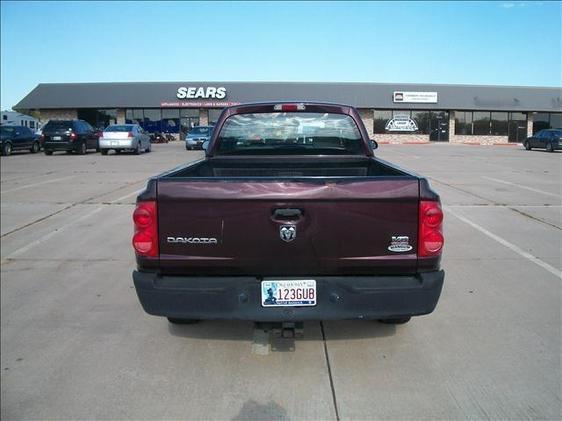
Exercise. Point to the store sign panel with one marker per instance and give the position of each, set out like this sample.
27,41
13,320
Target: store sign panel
200,92
415,97
197,104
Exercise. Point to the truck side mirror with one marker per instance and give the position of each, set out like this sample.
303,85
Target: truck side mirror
374,144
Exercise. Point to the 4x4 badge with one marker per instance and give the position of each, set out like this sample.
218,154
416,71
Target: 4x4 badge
288,232
400,243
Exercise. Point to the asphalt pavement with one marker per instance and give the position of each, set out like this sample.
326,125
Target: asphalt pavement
76,344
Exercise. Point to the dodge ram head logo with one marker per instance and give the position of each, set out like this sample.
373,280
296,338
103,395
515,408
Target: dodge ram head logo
288,232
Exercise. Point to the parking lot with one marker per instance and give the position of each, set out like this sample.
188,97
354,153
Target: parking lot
76,344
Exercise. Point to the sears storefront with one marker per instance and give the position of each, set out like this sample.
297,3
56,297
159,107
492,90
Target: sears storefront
393,113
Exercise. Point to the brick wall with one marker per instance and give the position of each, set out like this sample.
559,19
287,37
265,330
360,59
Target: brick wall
120,116
482,140
58,114
367,117
530,124
203,117
402,138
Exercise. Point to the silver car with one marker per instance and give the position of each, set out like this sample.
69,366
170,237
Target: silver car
121,137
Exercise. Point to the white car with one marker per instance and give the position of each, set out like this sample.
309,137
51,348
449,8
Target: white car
121,137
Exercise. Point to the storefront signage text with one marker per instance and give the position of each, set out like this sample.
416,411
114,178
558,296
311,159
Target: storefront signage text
426,97
193,92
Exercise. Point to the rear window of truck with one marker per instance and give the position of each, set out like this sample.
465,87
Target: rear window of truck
286,133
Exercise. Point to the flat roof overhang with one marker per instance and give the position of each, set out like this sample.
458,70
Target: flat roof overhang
359,95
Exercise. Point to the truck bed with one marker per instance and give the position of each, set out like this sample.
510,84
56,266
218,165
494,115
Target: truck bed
286,168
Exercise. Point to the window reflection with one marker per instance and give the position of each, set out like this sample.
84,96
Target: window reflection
499,124
171,120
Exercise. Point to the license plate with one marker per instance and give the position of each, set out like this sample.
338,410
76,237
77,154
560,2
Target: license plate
114,143
57,138
298,292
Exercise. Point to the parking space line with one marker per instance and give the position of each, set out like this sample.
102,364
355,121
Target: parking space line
509,183
62,228
485,205
505,243
37,184
51,234
136,192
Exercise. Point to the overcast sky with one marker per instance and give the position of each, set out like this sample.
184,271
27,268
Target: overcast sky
495,43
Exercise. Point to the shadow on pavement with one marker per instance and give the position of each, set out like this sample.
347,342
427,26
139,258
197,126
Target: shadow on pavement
245,330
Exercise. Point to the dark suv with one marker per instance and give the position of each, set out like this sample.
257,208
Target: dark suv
549,139
70,136
15,138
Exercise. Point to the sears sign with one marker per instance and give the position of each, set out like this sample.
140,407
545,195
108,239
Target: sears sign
192,92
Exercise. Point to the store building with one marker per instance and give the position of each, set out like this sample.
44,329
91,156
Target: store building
394,113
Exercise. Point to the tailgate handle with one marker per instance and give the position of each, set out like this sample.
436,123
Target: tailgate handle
287,214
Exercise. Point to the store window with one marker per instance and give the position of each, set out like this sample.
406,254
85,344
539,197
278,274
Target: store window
432,123
423,121
499,124
546,121
171,120
214,116
153,120
463,122
556,120
380,118
98,118
134,116
481,122
541,121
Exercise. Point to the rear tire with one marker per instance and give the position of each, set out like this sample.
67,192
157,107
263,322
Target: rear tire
176,321
48,152
527,146
83,149
549,147
138,150
149,148
35,147
7,149
104,151
395,321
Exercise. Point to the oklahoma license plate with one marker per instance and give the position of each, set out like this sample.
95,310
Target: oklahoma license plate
298,292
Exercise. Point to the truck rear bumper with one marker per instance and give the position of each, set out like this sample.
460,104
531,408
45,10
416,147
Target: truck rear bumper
339,297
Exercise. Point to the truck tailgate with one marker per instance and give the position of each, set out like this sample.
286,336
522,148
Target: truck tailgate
288,228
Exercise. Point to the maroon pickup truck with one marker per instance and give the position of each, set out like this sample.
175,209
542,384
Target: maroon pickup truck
290,217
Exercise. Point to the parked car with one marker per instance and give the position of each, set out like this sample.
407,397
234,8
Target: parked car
197,136
17,138
69,136
125,137
305,225
549,139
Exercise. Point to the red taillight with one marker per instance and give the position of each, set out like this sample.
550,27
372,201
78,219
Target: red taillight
289,107
73,136
430,236
145,239
130,134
